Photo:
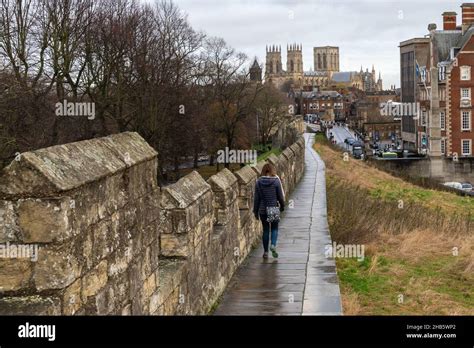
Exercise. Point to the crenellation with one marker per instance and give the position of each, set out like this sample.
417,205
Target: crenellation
111,242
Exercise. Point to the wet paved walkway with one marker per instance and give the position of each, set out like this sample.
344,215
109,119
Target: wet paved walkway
302,281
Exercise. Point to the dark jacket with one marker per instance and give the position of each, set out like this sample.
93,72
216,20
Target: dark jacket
268,192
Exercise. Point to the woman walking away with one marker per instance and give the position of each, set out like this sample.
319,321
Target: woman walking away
268,203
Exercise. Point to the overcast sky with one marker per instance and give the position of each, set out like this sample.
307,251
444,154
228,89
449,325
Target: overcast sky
366,31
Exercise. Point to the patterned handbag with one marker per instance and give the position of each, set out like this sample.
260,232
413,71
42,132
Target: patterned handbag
273,213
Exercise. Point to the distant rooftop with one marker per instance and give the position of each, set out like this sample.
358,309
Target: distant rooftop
343,76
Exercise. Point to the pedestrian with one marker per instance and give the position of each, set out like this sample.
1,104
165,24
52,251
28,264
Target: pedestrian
269,201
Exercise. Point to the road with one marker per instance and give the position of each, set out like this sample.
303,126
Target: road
340,134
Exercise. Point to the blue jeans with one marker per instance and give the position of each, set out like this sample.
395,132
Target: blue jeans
266,232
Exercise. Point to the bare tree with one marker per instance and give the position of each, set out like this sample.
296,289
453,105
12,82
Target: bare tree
271,109
233,93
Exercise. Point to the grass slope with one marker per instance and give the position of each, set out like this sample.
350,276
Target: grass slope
419,243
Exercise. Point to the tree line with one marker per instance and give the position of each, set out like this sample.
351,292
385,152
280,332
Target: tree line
142,65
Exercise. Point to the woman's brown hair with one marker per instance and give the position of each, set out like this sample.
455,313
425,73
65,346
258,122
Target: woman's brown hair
268,170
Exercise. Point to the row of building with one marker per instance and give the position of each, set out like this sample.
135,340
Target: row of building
326,74
434,101
436,77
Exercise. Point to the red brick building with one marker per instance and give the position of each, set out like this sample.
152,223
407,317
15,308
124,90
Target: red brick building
443,87
460,86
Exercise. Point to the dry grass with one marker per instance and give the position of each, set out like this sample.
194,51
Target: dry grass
422,250
382,184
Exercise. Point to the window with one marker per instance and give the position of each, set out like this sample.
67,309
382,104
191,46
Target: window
465,120
466,93
442,94
442,72
423,117
443,146
442,117
465,73
423,73
466,147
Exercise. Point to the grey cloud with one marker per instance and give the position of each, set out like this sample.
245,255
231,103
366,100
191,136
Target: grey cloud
367,31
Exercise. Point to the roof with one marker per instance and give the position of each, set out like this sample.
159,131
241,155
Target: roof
319,47
321,94
444,40
465,38
344,76
416,40
315,73
255,64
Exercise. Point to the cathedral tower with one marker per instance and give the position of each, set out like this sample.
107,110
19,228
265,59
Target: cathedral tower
255,72
326,59
273,65
294,60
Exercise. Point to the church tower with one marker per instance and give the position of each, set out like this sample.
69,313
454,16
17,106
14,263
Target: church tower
273,65
255,72
326,59
294,60
379,82
294,64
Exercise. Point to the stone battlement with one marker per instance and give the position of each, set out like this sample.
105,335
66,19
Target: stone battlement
110,241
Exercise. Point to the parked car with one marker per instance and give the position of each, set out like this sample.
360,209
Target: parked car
357,150
455,185
389,155
466,186
349,141
408,154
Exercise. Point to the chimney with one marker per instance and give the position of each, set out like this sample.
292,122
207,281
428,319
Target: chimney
467,15
449,20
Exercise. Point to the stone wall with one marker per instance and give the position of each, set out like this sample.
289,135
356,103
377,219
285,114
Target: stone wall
110,241
441,169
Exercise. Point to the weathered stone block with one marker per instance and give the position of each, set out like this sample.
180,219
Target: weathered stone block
203,230
105,301
8,221
174,245
246,178
61,168
155,303
94,280
72,299
149,287
141,179
186,191
56,269
225,188
15,274
258,168
44,221
127,310
30,305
